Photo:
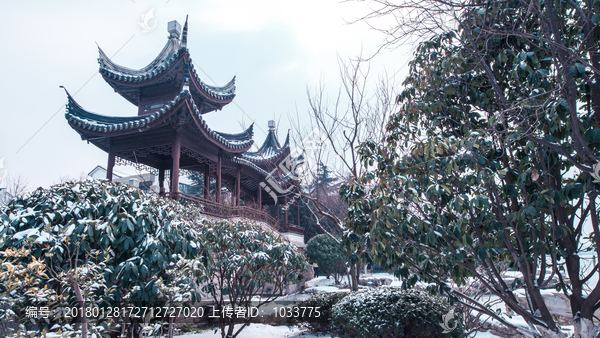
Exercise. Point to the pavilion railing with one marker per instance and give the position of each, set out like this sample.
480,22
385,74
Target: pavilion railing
220,210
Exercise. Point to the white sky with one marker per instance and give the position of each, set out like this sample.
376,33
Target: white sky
276,48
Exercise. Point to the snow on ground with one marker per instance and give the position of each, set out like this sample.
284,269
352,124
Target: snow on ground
258,331
268,331
486,335
322,284
320,281
321,289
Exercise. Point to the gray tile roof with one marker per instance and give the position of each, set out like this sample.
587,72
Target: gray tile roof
270,149
83,120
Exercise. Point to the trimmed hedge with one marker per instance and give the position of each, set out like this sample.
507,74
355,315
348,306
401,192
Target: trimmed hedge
324,302
393,313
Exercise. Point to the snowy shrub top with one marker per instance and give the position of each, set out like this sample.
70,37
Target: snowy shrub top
139,234
244,257
324,302
392,312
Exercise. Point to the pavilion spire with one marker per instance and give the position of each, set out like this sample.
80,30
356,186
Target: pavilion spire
184,34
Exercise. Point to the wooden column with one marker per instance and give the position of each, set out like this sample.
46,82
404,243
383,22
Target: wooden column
176,155
111,161
206,181
161,182
285,211
218,187
259,197
238,186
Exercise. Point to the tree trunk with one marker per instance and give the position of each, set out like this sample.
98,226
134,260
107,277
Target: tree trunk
171,326
584,328
81,302
354,275
349,279
230,329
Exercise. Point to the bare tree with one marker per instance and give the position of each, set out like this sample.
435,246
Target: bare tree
12,186
66,178
358,113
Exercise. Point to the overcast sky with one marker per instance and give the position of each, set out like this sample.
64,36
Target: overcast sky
275,48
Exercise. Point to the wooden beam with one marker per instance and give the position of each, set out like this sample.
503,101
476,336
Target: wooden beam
111,161
237,186
285,211
200,146
176,155
161,182
218,187
259,197
206,181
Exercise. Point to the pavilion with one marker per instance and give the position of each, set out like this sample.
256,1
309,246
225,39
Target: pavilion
169,134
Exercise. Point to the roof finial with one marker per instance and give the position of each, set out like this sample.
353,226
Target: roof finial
186,84
174,29
184,35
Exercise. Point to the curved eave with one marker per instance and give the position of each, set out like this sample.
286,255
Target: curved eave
88,124
243,136
218,96
248,164
232,146
119,81
269,152
168,54
281,182
263,160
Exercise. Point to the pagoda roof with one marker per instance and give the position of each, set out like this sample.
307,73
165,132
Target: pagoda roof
270,151
164,59
245,162
172,65
89,124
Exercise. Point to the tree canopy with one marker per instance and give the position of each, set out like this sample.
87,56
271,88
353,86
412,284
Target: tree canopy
489,158
328,254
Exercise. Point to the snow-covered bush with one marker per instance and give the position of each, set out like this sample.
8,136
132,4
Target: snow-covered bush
100,243
394,313
319,321
245,261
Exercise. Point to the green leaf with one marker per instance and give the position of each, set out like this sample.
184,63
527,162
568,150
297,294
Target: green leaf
530,210
130,225
467,240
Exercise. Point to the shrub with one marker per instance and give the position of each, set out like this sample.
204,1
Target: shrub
244,261
324,302
328,254
93,241
391,313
